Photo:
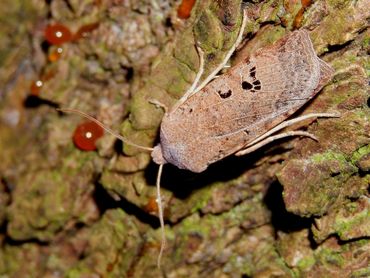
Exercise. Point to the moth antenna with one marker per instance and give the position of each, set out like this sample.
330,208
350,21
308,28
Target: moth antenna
227,56
107,129
191,89
160,215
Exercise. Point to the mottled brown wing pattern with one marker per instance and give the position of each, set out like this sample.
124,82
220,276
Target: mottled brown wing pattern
244,103
269,87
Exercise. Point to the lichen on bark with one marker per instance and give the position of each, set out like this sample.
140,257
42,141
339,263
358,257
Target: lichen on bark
296,208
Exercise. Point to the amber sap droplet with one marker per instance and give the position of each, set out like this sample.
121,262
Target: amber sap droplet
306,3
86,135
55,54
57,34
36,87
185,8
297,22
151,206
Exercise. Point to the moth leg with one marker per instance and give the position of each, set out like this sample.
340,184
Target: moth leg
160,216
273,138
291,122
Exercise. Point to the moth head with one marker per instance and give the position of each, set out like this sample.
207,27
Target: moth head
157,155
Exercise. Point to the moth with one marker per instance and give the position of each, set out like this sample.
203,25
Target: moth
235,109
239,111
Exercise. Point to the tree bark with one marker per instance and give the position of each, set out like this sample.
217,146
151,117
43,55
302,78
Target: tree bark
295,208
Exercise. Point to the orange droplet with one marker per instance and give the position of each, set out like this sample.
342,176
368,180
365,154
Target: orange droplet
297,22
185,8
84,30
151,206
57,34
35,87
55,54
305,3
86,135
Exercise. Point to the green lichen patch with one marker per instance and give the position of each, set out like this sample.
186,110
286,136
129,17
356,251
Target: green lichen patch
218,224
132,187
232,239
111,246
12,266
312,186
349,221
349,18
45,201
352,131
341,259
256,259
361,158
266,35
295,249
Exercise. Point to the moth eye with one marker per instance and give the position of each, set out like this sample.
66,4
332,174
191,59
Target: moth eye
225,94
246,85
86,135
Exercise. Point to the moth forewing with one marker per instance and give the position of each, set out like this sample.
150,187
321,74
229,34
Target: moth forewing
243,104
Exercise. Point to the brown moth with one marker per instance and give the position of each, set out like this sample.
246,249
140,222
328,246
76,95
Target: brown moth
234,109
239,111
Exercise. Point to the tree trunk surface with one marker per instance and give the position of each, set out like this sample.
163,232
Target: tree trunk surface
294,208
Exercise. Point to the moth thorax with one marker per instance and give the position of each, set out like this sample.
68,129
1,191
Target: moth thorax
157,155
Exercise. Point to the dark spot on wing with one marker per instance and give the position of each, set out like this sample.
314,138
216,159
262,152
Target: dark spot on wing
247,61
225,94
252,72
246,85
